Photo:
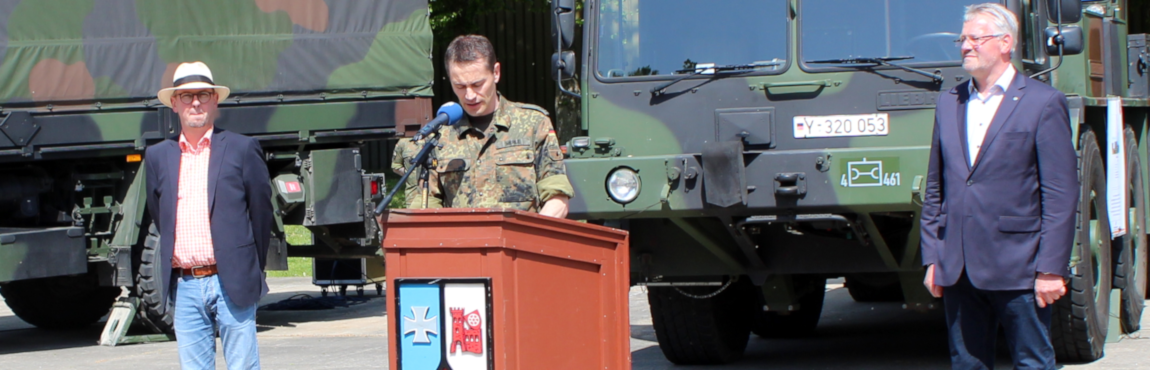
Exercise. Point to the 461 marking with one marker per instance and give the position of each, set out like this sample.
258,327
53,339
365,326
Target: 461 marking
864,173
888,179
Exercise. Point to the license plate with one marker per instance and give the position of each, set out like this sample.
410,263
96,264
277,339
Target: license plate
877,124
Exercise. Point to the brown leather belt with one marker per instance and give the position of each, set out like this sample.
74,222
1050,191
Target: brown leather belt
199,271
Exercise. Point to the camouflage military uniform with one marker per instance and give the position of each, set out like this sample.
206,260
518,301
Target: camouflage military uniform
515,163
401,160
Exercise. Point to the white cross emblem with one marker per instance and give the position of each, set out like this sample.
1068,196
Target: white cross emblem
420,325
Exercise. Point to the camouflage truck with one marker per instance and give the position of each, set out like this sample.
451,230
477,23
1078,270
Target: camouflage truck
312,80
755,149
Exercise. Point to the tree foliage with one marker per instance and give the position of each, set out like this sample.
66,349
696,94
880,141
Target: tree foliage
643,71
450,18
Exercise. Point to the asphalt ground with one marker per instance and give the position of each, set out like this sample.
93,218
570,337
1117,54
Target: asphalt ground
850,336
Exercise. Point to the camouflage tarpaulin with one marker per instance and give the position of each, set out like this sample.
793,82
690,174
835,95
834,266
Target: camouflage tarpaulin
121,50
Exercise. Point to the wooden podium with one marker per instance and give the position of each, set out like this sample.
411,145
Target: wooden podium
503,289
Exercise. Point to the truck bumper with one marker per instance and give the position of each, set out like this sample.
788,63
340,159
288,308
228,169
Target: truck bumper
803,181
32,253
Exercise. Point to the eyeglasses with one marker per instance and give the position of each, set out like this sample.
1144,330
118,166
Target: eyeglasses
202,96
975,41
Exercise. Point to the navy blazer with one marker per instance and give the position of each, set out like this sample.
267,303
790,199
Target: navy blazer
1011,214
239,203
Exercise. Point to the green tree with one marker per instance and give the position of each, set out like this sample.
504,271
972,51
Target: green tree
689,65
450,18
643,71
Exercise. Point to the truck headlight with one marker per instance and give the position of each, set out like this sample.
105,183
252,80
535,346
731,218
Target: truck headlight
623,185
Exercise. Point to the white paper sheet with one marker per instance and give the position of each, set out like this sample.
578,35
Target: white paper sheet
1115,149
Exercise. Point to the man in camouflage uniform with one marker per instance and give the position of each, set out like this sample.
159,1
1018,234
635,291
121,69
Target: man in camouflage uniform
401,160
502,153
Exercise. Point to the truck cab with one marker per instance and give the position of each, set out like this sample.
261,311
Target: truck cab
755,149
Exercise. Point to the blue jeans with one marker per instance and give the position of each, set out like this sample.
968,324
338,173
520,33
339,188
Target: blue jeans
972,319
202,306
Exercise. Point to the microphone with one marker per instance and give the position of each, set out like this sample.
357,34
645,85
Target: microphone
449,113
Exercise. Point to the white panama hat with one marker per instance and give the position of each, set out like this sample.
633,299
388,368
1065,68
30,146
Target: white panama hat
190,76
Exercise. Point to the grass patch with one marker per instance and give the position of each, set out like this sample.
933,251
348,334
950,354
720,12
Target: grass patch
400,199
297,235
297,266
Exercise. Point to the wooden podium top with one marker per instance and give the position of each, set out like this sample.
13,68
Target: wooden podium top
495,227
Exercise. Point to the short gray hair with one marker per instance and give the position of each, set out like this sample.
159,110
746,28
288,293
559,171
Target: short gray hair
1002,18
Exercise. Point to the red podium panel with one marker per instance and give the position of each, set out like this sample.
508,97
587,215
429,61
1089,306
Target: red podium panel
555,291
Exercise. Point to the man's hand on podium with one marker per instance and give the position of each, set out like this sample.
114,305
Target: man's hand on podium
555,207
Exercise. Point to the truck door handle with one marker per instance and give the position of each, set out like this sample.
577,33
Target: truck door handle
818,83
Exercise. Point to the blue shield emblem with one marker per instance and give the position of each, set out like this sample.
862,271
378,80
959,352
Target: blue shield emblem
422,335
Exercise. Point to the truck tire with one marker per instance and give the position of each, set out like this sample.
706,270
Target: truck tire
711,330
156,314
772,324
1130,264
61,302
1080,318
874,288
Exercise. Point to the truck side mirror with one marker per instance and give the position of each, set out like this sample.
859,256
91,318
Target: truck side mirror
1071,11
1070,39
563,65
563,22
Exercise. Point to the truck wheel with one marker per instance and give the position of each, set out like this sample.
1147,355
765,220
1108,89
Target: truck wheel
157,314
874,288
1130,267
61,302
772,324
696,330
1080,318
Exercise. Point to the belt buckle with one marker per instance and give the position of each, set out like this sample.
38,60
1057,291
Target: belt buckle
197,274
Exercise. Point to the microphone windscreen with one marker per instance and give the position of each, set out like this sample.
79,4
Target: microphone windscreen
453,111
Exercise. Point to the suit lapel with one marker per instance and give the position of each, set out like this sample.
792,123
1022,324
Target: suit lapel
1010,99
219,147
963,91
171,192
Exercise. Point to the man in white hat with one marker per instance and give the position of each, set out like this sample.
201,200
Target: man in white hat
210,200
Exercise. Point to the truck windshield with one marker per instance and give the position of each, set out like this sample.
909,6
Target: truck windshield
841,29
660,37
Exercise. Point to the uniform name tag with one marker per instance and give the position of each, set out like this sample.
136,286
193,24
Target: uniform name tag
512,142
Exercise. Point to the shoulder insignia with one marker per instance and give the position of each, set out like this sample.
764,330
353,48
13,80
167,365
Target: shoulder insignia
534,108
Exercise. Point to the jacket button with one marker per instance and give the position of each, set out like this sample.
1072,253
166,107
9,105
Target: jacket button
969,182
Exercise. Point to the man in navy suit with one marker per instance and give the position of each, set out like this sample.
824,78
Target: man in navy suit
1002,190
210,199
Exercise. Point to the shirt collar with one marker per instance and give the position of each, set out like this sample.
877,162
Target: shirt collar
1003,81
205,142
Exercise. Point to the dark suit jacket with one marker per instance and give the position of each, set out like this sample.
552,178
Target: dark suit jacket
1011,214
239,201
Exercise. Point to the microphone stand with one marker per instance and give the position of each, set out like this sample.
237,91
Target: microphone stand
423,160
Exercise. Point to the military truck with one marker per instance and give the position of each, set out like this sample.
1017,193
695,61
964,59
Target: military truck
755,149
312,80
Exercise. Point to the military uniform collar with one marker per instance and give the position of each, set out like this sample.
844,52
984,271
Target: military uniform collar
501,118
503,113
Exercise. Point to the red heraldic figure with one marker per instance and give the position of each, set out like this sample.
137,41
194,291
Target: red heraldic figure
467,335
457,329
473,335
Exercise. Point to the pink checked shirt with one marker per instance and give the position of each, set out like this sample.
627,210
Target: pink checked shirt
193,228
